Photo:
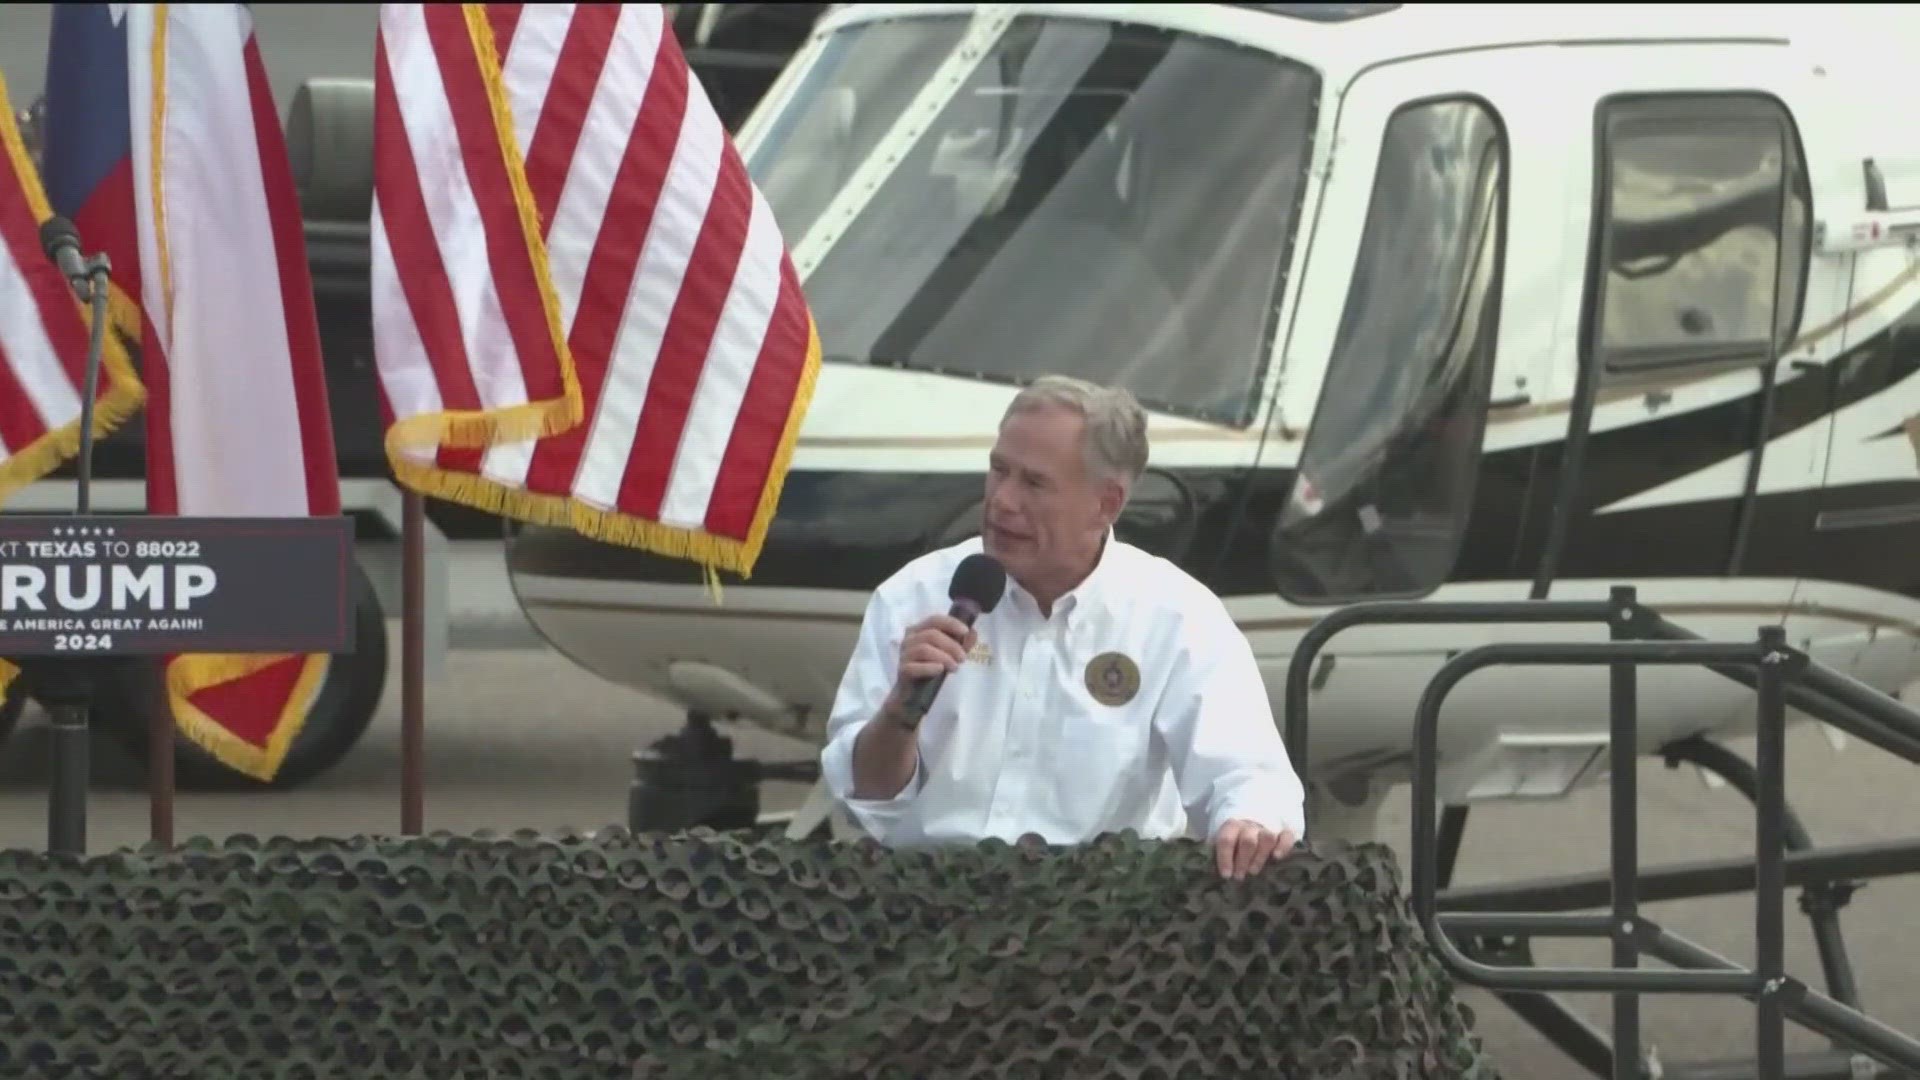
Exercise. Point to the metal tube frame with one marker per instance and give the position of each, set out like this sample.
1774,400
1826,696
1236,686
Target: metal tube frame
1624,750
1296,726
1835,699
1692,881
1820,900
1783,856
1779,997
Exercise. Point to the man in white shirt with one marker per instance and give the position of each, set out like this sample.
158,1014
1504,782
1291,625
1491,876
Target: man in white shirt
1108,690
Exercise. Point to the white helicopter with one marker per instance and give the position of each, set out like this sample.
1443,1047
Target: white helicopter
1423,304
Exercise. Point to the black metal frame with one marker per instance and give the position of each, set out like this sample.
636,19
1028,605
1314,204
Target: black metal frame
1783,852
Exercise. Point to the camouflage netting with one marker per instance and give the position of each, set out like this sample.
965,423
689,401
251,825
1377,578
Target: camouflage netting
715,957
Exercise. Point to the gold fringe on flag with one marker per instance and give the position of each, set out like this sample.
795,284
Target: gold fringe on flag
426,433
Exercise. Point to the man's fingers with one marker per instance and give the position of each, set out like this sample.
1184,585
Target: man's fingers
1245,847
949,626
933,648
1223,847
948,650
925,668
946,644
936,644
1264,850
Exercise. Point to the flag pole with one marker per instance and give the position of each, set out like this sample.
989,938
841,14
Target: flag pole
160,752
413,653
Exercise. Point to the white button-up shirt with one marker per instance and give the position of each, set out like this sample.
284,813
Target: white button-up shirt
1178,739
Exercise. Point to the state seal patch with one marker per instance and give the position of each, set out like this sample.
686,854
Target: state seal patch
1112,679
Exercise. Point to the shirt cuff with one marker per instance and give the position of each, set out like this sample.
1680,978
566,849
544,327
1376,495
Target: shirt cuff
873,815
1268,801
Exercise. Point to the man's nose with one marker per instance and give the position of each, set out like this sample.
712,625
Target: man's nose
1000,501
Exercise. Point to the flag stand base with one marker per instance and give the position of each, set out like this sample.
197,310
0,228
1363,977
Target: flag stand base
64,685
68,701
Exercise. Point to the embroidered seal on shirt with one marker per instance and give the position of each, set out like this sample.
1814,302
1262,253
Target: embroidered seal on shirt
1112,679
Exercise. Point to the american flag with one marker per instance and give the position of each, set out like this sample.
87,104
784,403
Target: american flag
584,311
43,336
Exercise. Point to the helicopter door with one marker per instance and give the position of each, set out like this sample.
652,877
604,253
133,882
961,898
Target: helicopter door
1401,304
1430,316
1694,418
1454,260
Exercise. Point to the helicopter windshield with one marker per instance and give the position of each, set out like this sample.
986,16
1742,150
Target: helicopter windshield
1046,194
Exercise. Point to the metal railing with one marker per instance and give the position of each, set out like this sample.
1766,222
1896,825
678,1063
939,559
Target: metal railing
1781,676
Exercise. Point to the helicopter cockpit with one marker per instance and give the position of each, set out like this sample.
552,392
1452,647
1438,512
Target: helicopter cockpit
1114,201
1121,202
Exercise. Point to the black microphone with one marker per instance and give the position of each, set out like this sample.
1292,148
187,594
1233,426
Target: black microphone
976,588
61,241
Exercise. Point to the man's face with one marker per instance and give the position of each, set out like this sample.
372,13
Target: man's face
1046,513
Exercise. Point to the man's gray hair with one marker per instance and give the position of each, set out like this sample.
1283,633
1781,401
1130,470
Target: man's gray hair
1115,435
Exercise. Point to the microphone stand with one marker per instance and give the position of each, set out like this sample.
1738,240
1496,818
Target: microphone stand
96,293
68,693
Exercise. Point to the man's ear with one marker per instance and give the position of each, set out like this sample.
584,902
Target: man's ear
1113,499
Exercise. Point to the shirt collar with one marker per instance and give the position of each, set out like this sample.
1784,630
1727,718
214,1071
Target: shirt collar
1084,596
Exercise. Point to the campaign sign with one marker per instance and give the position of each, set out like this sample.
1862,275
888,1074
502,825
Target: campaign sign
106,585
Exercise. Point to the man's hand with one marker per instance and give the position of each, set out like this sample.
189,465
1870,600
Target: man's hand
886,753
1243,847
935,644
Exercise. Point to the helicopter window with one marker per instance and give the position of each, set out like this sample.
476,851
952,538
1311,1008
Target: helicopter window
1705,209
848,100
1063,210
1386,479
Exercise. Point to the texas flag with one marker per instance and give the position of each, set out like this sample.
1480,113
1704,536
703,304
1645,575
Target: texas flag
87,162
165,148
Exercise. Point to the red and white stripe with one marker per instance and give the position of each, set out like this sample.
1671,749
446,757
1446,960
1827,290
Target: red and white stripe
681,309
43,339
443,201
43,334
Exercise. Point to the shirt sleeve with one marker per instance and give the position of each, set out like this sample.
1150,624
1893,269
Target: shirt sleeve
1228,758
863,689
